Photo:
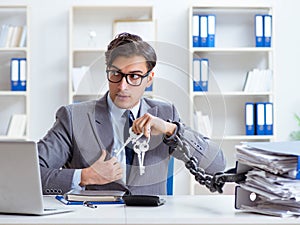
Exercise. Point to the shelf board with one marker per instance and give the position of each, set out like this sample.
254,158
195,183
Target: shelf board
233,4
92,50
13,49
244,137
8,138
13,93
233,49
231,93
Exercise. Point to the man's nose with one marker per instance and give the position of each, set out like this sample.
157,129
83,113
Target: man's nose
123,84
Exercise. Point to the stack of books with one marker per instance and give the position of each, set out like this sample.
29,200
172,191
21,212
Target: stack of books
79,197
272,184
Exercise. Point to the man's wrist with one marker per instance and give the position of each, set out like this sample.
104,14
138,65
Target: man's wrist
172,141
83,181
171,129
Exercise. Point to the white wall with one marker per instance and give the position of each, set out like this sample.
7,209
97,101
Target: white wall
49,54
287,67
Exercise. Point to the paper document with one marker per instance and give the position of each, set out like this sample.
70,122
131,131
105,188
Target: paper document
272,178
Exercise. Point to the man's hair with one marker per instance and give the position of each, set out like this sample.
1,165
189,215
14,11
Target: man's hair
128,45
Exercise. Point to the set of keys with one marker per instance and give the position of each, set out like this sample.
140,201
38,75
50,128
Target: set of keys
139,147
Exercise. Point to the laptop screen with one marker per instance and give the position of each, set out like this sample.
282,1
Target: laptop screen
20,186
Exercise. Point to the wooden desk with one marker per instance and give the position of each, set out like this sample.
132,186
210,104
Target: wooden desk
205,209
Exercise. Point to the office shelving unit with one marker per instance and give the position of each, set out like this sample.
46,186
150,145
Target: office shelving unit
13,102
91,30
232,57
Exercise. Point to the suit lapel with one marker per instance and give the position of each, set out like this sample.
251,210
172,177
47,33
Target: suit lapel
146,108
102,128
101,122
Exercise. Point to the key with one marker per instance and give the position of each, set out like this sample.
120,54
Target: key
137,150
132,138
144,147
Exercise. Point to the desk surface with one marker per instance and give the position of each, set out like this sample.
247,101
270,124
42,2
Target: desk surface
200,209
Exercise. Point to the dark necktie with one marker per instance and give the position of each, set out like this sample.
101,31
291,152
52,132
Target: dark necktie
129,148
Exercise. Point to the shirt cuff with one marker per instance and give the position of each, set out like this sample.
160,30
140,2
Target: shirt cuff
76,180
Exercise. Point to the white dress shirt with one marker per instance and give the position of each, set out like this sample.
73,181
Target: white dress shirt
118,122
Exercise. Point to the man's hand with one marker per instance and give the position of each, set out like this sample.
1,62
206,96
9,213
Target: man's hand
149,124
102,172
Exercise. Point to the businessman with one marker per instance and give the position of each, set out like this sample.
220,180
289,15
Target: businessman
79,151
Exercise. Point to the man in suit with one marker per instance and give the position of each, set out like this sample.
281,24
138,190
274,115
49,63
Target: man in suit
79,150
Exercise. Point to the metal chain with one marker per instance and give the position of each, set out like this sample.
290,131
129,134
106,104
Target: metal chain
212,182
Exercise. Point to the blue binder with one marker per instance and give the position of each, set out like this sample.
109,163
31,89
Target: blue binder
196,74
204,74
260,118
14,74
22,74
196,30
150,88
268,118
259,31
267,30
18,74
203,31
249,118
211,30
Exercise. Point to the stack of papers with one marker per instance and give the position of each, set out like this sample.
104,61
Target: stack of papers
273,177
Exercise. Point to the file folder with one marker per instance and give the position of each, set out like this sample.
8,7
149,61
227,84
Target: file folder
249,118
200,74
260,118
211,30
196,74
259,31
204,74
150,88
279,201
267,30
22,74
14,74
203,31
269,118
18,74
196,31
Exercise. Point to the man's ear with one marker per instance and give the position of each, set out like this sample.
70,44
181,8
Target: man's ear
150,79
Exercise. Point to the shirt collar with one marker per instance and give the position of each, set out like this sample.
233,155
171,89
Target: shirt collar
118,112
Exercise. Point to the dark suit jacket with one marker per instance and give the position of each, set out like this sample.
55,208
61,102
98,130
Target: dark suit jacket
82,130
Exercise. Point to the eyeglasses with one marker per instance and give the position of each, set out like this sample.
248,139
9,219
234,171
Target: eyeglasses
115,76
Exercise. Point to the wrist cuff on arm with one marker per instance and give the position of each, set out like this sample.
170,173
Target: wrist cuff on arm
172,140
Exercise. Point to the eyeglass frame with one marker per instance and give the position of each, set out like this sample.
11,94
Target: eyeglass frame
126,75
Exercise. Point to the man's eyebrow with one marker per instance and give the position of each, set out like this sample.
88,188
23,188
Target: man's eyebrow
134,71
115,67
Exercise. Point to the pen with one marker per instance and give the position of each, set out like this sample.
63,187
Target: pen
89,204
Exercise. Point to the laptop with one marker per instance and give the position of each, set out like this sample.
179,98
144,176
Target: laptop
20,186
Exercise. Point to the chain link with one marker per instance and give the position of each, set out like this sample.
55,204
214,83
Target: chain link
212,182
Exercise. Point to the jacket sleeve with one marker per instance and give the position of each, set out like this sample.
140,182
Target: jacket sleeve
210,156
55,151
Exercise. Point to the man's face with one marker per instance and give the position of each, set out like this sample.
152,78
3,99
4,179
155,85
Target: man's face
123,94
